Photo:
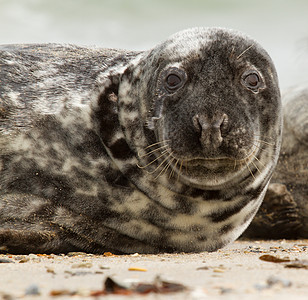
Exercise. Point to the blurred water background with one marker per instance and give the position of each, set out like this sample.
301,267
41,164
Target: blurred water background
281,26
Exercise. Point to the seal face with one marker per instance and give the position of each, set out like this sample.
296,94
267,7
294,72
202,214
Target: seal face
165,150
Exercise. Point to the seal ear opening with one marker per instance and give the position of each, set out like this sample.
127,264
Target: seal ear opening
110,91
112,97
106,111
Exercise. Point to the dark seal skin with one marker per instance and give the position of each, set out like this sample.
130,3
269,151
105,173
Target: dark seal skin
165,150
284,212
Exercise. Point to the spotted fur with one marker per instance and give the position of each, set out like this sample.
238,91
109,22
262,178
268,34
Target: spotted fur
284,212
98,154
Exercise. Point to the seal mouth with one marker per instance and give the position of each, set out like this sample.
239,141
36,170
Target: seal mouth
203,172
213,173
211,163
226,161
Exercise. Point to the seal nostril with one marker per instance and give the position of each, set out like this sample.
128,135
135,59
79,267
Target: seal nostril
224,123
196,123
220,123
210,130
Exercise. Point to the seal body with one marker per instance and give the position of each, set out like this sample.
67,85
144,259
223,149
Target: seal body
284,212
165,150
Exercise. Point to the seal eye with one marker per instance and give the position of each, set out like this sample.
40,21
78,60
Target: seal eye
173,81
174,78
252,80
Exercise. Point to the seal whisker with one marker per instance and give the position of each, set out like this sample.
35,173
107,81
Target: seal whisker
152,151
181,165
239,56
259,161
264,137
169,164
154,144
163,154
165,168
234,164
260,147
256,166
174,167
232,53
249,169
264,142
162,163
248,156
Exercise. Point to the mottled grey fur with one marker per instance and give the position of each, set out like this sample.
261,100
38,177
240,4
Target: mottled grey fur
284,212
168,150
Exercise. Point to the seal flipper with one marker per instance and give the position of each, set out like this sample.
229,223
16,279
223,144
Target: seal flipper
278,217
28,241
27,227
31,224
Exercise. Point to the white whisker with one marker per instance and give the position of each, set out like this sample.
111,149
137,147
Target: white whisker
259,161
244,52
249,169
166,167
158,143
163,154
174,167
153,151
162,163
181,165
256,166
267,143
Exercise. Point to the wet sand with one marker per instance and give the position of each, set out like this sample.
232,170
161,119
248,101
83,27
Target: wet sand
231,273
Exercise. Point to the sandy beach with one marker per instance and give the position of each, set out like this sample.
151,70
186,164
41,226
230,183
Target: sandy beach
244,269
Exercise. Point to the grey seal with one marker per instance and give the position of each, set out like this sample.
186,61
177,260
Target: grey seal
284,212
164,150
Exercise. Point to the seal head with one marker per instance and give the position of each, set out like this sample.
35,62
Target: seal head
213,103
